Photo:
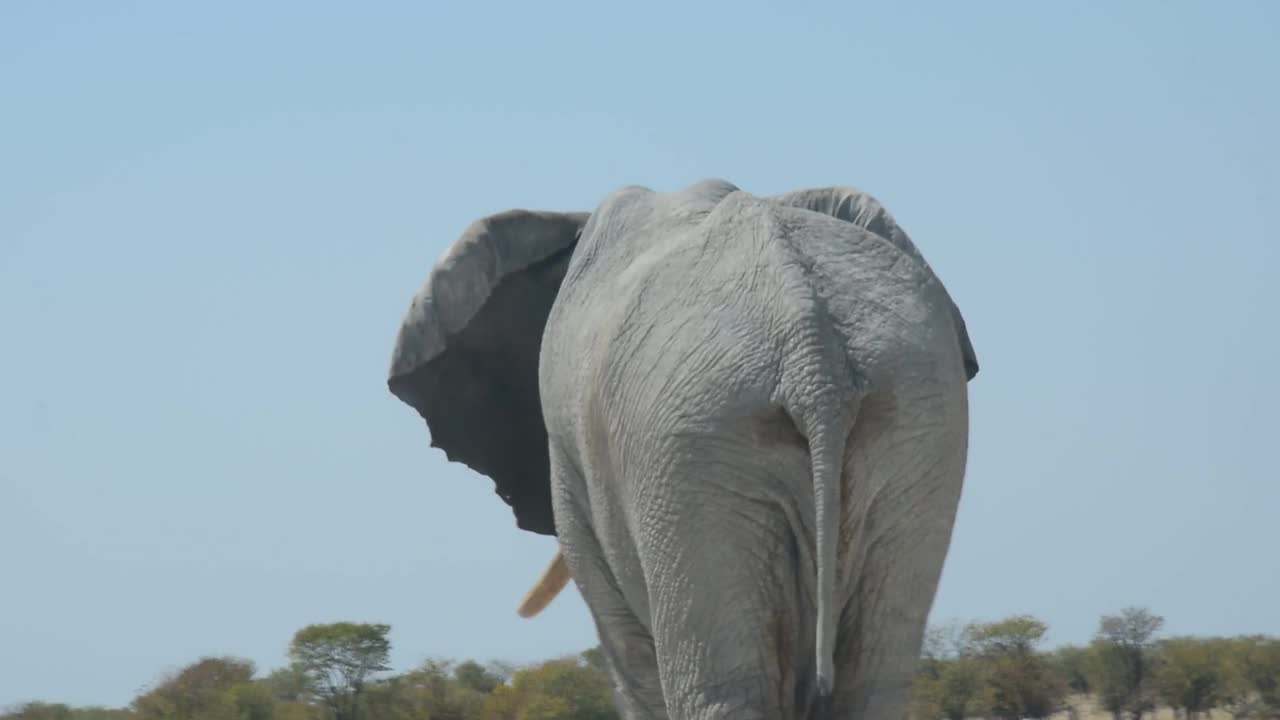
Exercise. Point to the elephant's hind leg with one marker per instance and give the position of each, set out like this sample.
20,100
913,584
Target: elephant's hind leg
627,646
625,642
905,478
733,639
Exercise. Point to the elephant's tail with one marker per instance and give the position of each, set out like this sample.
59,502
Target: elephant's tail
553,580
826,450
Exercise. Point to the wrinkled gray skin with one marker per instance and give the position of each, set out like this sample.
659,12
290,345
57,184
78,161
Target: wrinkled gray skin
756,424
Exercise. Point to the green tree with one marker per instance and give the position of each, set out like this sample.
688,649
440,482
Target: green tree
1122,653
286,684
594,658
473,675
39,711
338,660
948,639
212,688
565,689
1251,683
1072,663
253,701
438,689
949,682
1020,681
1019,635
1190,674
949,688
60,711
287,687
297,710
94,712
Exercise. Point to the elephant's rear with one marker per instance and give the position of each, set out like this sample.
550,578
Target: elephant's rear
905,457
703,376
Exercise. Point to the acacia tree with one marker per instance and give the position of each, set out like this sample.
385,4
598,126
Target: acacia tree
1252,683
1072,663
438,690
955,691
1191,674
40,711
1121,661
473,675
212,688
1021,683
565,689
950,679
338,660
61,711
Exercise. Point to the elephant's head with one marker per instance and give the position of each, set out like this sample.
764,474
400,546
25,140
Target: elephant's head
467,354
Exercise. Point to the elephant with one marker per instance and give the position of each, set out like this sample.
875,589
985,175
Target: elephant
744,418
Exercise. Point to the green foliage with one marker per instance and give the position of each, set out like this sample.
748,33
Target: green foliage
1071,662
40,711
1133,627
212,688
59,711
329,660
556,690
474,676
594,658
1121,665
1020,680
994,671
437,689
950,688
1251,687
297,710
253,701
286,684
338,659
1110,676
950,683
1191,674
1017,635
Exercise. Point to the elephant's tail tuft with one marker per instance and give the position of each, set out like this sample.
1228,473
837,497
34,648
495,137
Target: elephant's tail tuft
823,708
553,580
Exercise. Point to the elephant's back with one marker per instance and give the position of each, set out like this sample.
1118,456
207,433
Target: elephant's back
891,313
642,267
684,334
694,320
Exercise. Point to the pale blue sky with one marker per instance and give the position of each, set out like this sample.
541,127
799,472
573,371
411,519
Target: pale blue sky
212,219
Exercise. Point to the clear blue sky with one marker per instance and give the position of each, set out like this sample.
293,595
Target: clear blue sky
212,219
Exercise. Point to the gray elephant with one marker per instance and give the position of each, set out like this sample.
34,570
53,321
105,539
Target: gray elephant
744,418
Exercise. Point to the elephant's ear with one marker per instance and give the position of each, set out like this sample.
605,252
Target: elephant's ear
466,357
855,206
